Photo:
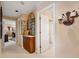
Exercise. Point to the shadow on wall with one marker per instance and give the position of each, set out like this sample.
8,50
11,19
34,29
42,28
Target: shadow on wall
73,36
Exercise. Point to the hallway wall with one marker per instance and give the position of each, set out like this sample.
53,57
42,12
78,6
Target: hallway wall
0,40
67,39
0,47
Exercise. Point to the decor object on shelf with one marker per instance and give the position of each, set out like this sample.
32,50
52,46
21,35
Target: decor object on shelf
31,24
68,18
24,27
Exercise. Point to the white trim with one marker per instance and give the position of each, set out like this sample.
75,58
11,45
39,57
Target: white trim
46,8
51,5
54,19
37,32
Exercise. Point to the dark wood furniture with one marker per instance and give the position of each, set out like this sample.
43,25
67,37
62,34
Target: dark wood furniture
0,22
5,38
29,43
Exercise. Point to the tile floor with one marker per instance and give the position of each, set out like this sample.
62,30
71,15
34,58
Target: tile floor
14,51
65,49
10,42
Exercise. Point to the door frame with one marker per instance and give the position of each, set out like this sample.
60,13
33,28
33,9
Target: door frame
3,31
41,33
54,21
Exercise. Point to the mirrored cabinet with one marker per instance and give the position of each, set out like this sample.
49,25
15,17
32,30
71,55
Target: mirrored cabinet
31,24
28,28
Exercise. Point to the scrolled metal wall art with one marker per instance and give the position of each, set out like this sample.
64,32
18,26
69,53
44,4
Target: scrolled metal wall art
68,18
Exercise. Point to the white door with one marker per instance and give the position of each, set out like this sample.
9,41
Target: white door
44,33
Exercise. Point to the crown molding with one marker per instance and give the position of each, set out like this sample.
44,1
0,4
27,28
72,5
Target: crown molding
9,17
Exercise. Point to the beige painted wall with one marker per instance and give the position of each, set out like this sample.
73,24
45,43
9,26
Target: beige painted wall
67,37
0,39
0,47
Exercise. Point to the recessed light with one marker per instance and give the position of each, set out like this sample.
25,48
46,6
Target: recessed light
16,11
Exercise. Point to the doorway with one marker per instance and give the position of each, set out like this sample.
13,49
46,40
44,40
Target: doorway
47,29
44,35
9,32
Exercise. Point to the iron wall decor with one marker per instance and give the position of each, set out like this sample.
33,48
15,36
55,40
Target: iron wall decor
68,18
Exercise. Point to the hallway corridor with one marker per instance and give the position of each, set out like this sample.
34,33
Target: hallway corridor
14,51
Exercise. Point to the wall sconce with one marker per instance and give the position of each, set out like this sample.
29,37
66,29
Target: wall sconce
68,18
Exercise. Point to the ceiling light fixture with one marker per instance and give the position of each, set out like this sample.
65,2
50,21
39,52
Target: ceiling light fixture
16,11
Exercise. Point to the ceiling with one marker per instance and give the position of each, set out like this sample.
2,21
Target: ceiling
10,7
